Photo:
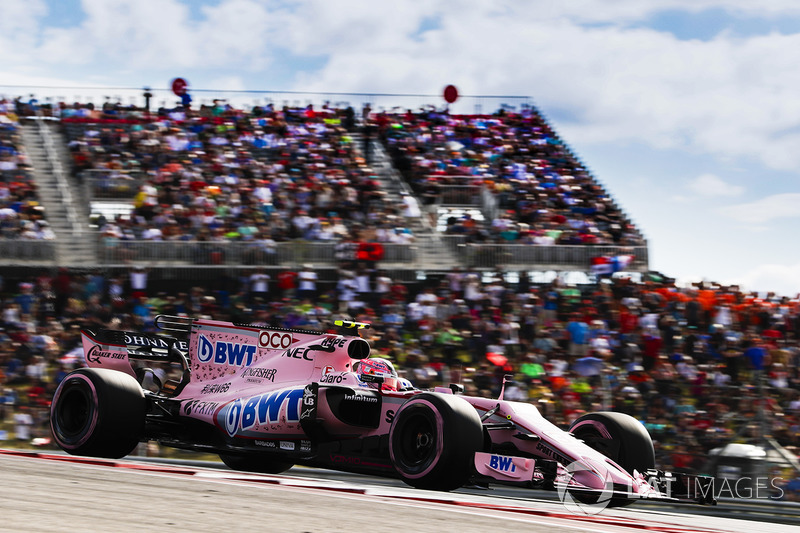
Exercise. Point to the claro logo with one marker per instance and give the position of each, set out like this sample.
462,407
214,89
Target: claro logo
275,340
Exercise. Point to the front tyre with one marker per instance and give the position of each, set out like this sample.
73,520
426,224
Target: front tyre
433,440
619,437
98,412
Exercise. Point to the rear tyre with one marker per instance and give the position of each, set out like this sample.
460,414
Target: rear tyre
260,465
433,440
98,412
619,437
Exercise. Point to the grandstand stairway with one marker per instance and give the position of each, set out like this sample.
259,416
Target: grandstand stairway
61,195
430,251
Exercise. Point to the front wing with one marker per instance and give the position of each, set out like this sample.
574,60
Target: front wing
653,485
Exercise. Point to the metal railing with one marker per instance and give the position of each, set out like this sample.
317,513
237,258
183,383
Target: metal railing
13,250
49,96
115,251
482,255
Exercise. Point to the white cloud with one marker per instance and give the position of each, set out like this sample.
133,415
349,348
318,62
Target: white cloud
729,97
781,279
766,209
710,185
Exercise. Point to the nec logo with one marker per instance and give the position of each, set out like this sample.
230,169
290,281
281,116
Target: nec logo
503,464
225,353
299,353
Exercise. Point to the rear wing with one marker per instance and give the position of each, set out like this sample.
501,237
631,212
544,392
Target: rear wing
148,346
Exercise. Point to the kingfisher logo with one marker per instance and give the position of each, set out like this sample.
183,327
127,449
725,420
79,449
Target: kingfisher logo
262,409
225,353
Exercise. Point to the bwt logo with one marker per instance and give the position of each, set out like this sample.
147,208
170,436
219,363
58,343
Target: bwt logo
275,340
232,417
225,353
262,409
502,464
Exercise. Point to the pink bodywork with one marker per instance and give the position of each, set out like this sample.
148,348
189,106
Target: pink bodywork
249,382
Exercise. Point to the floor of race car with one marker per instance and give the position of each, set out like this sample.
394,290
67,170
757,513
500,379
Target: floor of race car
59,493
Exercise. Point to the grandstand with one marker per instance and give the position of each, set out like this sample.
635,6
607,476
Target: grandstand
221,187
467,226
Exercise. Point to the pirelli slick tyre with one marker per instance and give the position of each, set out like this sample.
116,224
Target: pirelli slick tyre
619,437
98,412
260,465
433,440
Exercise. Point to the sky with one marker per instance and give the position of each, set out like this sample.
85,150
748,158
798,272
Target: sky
686,110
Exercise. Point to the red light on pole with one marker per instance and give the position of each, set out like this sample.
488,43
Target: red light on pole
450,94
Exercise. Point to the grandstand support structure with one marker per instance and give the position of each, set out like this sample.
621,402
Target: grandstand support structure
432,253
61,196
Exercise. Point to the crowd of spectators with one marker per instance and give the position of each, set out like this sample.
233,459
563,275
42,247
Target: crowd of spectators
219,173
21,215
268,175
700,366
544,194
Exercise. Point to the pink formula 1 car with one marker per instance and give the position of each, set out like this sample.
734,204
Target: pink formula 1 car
265,399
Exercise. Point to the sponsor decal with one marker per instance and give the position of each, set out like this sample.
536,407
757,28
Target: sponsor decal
328,370
154,342
360,398
305,445
287,445
333,378
262,409
275,340
97,354
309,403
256,375
199,408
502,464
225,353
215,388
299,353
266,443
232,417
331,343
552,454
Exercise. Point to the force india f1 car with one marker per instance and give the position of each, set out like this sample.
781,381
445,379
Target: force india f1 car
265,399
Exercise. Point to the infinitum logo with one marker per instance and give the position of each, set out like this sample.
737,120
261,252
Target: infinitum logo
576,501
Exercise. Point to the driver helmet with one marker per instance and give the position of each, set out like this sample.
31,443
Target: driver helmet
379,367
